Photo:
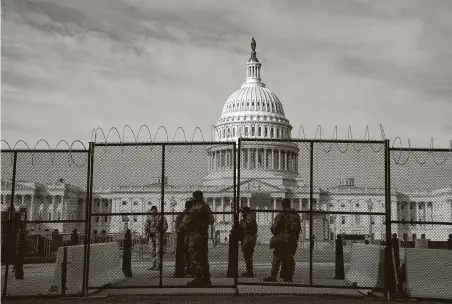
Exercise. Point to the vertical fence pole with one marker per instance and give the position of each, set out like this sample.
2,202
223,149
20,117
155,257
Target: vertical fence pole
88,209
10,225
162,206
311,213
389,277
236,211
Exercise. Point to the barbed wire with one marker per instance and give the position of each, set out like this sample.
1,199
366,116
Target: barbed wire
215,136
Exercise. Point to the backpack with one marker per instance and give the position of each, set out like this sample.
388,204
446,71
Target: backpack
253,225
295,223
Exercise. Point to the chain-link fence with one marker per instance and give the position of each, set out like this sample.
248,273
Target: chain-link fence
139,200
337,189
43,199
121,216
421,220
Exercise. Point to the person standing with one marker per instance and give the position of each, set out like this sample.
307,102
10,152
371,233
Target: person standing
287,272
284,242
248,238
197,221
183,251
154,233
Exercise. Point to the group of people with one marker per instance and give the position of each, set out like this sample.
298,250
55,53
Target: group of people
193,226
286,229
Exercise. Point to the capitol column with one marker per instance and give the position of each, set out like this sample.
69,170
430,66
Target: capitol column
249,158
265,159
273,159
32,207
248,199
256,158
279,159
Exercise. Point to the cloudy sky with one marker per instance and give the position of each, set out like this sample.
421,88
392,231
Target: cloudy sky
71,66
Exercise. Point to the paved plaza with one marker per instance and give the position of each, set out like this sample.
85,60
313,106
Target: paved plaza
39,277
217,299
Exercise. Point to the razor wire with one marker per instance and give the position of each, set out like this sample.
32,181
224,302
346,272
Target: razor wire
215,135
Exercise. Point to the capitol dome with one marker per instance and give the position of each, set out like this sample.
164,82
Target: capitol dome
253,102
254,112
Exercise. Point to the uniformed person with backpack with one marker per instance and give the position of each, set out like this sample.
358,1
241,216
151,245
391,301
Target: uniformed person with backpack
286,230
197,221
248,238
154,234
183,251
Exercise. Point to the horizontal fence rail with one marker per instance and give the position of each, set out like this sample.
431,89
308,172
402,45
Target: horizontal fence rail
117,215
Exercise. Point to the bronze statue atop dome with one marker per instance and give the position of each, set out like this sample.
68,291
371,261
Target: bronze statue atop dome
253,51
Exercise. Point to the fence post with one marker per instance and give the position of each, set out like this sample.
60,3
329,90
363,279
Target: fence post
88,210
64,271
74,237
19,260
127,254
339,271
311,213
236,182
162,209
55,241
10,228
390,287
232,267
179,271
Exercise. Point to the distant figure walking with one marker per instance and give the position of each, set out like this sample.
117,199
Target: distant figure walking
154,233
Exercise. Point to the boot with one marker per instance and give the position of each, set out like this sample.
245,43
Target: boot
248,274
270,279
283,270
195,283
154,267
274,273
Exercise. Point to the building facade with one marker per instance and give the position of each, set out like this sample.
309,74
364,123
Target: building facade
269,172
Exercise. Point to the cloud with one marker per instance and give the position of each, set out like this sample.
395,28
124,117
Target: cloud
71,66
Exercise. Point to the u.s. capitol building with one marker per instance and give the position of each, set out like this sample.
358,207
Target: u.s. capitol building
269,172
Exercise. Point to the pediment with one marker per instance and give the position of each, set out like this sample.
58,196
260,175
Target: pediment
254,185
19,186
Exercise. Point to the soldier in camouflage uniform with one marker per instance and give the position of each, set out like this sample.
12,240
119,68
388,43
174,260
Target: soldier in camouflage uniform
286,230
179,218
197,221
153,233
248,237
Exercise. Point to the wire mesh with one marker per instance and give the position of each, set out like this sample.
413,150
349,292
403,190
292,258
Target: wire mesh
351,204
421,212
126,185
208,168
50,195
269,172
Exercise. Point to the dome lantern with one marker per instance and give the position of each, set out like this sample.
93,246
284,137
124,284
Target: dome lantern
253,69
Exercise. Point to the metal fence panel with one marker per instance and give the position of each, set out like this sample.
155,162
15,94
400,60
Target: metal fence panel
421,184
349,179
126,184
50,194
208,168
